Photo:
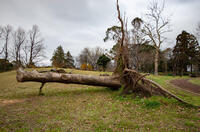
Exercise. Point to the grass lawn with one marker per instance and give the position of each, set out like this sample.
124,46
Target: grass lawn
164,81
71,107
195,81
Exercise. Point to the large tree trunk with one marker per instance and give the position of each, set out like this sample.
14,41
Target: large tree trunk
156,62
108,81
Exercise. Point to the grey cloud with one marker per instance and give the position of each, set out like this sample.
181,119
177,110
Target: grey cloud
84,12
183,1
76,24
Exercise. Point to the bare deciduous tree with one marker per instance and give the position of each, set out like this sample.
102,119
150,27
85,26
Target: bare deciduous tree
90,56
19,37
36,48
156,26
25,48
198,31
84,56
1,44
5,37
138,38
95,54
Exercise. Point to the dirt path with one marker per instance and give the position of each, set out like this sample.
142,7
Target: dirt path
4,102
186,85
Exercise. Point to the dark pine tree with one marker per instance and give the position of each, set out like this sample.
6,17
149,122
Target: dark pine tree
58,58
185,52
103,61
69,60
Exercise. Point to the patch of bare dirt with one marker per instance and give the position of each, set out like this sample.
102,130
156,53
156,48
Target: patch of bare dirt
4,102
186,85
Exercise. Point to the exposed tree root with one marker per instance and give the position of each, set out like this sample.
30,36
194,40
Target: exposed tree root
131,79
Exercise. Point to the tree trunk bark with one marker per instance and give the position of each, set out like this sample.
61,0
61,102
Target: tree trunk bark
181,71
165,66
25,76
156,62
6,54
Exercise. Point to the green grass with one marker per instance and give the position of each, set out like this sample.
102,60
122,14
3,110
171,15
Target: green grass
195,81
71,107
152,104
186,96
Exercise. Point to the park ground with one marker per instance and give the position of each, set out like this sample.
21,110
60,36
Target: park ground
72,107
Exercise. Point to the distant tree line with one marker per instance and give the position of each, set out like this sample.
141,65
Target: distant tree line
88,59
184,56
20,48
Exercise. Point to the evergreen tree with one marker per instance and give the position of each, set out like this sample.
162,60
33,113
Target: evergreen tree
69,60
186,52
193,50
103,61
58,58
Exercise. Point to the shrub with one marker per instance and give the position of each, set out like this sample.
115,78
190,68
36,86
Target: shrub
170,74
5,67
89,67
84,66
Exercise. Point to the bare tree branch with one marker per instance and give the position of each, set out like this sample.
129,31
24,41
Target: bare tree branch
36,45
19,37
1,31
198,31
6,36
155,27
122,24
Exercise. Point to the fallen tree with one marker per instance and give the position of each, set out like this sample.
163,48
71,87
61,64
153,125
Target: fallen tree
108,81
138,81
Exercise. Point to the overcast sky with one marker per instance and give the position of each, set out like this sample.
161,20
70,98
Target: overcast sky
76,24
